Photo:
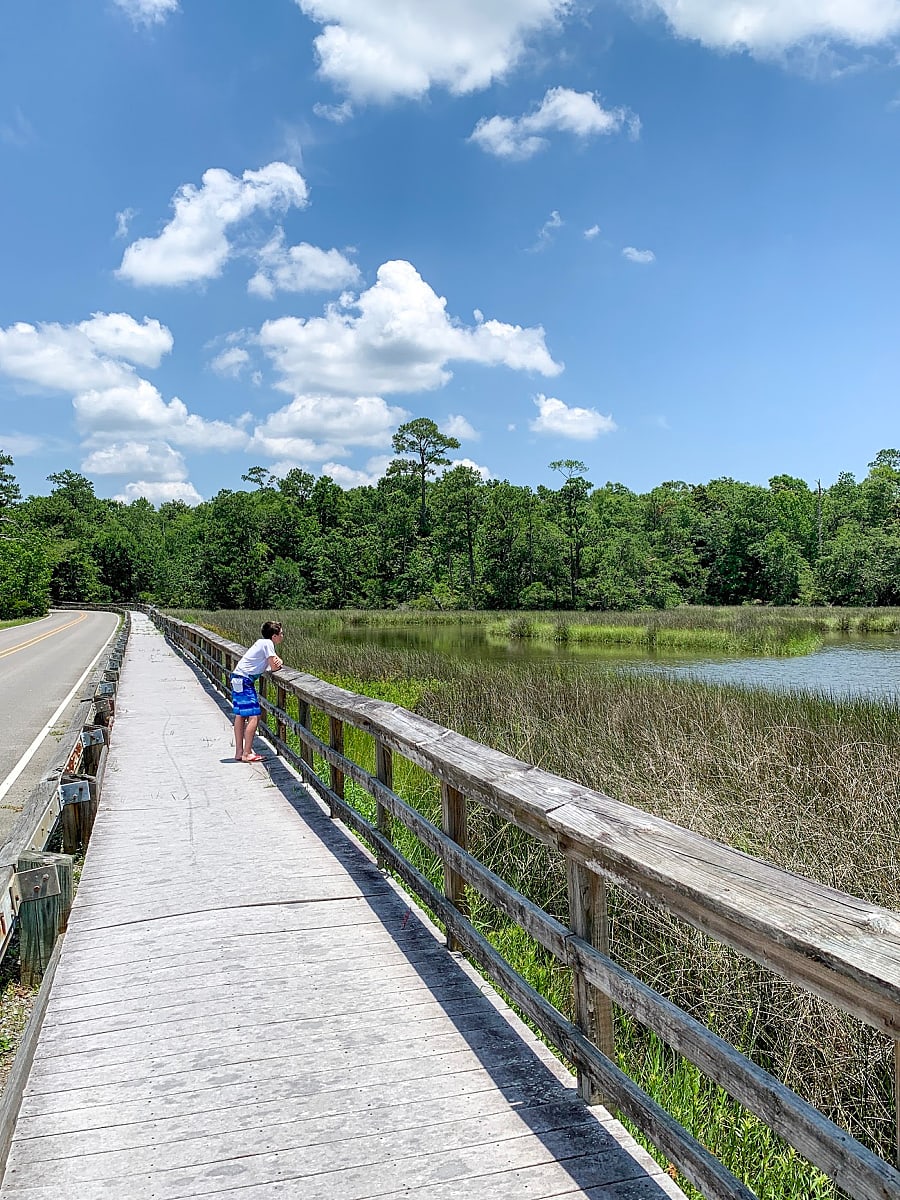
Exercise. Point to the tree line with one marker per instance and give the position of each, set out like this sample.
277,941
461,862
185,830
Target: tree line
428,536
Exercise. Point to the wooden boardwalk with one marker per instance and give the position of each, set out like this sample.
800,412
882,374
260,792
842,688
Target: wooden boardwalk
246,1008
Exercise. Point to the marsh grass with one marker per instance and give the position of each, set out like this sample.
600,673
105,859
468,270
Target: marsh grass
807,783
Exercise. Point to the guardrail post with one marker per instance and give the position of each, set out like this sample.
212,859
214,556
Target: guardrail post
455,825
593,1010
384,772
46,886
336,741
897,1103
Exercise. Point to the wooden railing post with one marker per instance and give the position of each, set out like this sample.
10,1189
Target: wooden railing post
897,1102
336,741
455,825
306,753
593,1010
281,702
384,773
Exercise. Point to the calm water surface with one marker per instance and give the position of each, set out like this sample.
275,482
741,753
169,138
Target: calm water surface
860,665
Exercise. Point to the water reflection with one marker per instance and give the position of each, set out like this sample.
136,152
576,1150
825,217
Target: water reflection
860,665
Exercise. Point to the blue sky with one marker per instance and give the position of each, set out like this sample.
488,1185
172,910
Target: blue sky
658,237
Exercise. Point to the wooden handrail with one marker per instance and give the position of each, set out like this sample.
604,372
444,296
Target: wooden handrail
841,948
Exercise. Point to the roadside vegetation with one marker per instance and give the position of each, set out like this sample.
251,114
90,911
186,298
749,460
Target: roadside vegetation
807,783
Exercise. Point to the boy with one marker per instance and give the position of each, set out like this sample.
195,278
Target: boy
261,657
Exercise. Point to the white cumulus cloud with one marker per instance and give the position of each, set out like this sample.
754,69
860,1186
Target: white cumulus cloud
394,337
194,246
137,408
769,27
467,462
582,424
300,268
638,256
149,460
377,51
458,427
92,353
318,427
159,493
562,110
348,477
593,232
92,362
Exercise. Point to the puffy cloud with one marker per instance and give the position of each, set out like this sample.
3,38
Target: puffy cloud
770,26
593,232
381,51
313,428
467,462
231,361
148,12
301,268
71,357
394,337
121,336
347,477
159,493
638,256
194,245
154,461
582,424
458,427
137,408
562,110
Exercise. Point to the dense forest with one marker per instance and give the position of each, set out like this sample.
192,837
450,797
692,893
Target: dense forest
428,536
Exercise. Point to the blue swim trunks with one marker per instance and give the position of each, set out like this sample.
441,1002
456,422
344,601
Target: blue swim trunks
244,700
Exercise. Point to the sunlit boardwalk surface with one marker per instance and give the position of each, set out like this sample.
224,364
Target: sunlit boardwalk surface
246,1008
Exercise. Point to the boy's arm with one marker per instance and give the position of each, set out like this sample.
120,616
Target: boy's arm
275,663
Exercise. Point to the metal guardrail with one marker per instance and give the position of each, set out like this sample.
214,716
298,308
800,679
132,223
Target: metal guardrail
69,791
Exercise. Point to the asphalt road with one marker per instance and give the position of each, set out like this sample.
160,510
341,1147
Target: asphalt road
40,664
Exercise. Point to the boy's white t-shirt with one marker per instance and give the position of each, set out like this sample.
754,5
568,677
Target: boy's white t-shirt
256,661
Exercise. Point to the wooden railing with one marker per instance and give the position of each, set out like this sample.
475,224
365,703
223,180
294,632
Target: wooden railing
838,947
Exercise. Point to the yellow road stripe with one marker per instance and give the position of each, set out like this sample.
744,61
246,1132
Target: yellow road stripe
33,641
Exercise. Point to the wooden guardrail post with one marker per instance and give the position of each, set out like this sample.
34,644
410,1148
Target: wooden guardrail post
897,1103
593,1010
455,825
281,702
384,773
306,753
46,886
336,741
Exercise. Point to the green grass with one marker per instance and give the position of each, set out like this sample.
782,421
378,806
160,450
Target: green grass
808,783
18,621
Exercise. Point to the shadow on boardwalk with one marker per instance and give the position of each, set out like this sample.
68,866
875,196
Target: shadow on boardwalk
593,1153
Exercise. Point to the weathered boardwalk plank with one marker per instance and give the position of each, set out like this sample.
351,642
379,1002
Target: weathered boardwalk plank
246,1008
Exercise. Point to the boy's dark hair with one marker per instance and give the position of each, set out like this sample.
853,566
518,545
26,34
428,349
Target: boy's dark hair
270,628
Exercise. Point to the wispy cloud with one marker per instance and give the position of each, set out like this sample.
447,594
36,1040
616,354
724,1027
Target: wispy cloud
638,256
18,131
546,232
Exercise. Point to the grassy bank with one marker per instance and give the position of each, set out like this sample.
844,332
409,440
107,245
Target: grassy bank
806,783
